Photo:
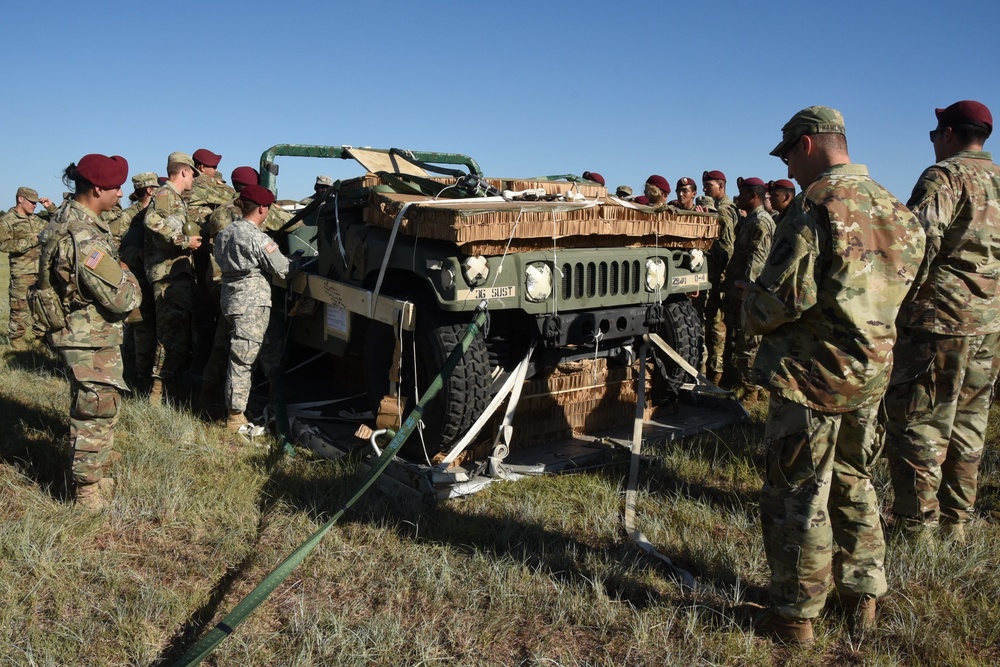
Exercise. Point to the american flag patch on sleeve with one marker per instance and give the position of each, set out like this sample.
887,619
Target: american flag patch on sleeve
271,247
94,259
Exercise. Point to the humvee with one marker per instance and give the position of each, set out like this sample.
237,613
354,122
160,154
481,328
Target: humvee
396,260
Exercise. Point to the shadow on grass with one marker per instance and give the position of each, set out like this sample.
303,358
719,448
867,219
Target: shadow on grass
35,439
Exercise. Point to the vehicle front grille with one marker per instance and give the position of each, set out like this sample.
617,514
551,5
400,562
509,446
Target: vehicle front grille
598,279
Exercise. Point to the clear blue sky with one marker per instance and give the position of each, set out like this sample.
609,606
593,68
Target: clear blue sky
626,89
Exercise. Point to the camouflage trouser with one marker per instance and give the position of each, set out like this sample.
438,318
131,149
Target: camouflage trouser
173,326
715,336
741,347
21,320
243,352
95,384
140,336
937,407
818,508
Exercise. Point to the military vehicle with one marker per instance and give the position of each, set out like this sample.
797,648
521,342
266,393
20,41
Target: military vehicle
394,262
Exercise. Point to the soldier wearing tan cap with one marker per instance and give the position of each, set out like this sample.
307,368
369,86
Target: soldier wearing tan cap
168,245
19,229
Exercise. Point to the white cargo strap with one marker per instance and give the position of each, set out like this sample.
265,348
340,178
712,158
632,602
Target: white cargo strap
685,578
511,383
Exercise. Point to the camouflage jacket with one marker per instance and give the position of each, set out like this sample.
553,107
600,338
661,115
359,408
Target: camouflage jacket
166,247
206,195
753,242
132,248
722,249
843,259
958,288
222,216
120,223
82,266
19,239
247,257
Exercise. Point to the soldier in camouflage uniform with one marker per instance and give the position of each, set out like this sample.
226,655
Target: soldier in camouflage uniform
247,258
825,303
95,292
782,193
169,242
19,230
320,188
938,403
208,192
753,243
714,185
214,374
139,349
686,190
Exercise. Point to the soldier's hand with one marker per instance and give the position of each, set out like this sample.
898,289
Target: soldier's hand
194,242
45,202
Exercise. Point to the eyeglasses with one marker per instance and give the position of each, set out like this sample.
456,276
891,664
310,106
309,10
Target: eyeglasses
784,156
934,134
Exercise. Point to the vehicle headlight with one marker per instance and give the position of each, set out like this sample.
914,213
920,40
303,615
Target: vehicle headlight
656,274
537,281
476,270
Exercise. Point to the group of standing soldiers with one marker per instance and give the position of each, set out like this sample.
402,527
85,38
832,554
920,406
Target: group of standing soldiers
86,274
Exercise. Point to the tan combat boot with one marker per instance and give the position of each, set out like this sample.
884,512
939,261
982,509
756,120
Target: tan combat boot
235,420
787,631
860,613
953,533
156,392
95,497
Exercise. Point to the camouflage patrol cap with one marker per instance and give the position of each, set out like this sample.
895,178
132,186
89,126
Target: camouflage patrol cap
146,179
28,193
706,203
324,180
623,191
178,157
809,121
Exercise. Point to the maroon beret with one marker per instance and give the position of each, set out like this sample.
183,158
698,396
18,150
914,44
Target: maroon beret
966,111
207,157
780,184
659,182
641,199
714,175
685,181
257,194
749,182
103,171
593,176
245,176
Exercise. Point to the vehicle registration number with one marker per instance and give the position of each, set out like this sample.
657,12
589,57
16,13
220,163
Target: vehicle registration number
480,293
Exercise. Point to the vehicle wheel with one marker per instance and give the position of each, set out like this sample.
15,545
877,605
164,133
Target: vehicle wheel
460,401
683,330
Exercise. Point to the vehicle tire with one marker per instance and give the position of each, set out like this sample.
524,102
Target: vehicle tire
683,330
465,393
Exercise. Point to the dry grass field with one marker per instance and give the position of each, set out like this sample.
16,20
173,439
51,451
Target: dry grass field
534,572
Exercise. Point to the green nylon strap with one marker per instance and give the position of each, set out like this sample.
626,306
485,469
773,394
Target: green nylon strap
207,644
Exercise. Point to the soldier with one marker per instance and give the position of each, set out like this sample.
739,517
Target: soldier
139,349
94,293
207,163
247,258
657,189
686,190
320,188
714,185
19,230
623,192
168,246
753,243
825,304
214,374
949,331
782,193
